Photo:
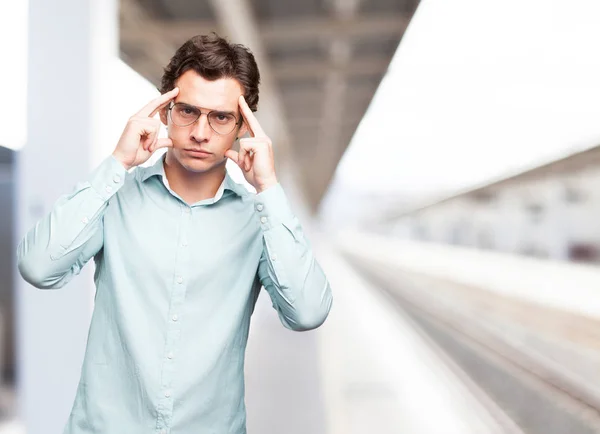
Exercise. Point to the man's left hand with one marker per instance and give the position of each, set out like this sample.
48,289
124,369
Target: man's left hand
255,157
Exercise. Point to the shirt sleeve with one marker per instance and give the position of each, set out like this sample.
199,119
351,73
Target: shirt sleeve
288,270
61,243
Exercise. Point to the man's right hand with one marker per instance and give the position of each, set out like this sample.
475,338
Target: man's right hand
140,136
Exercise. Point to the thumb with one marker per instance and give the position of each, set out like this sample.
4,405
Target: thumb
163,143
233,155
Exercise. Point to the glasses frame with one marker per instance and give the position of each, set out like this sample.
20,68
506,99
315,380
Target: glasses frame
237,121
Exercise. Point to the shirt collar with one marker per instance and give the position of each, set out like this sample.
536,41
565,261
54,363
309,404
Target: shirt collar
158,169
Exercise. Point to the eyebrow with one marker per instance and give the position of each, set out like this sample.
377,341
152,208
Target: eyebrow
209,109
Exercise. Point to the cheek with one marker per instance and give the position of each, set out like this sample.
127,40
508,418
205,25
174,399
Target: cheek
222,144
178,136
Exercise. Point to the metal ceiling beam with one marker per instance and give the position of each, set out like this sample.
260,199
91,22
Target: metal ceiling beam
371,66
285,32
360,92
347,120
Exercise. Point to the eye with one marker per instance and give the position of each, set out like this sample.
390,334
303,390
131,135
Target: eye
222,118
186,111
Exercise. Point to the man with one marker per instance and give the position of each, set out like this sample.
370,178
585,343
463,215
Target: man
181,252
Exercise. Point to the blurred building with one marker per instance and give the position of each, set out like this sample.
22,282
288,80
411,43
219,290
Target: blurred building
549,211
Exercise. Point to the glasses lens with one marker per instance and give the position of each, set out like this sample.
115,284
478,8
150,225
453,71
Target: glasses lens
183,114
222,123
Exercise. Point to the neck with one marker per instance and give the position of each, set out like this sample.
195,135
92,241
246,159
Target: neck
193,186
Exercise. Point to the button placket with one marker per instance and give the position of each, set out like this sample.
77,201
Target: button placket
174,320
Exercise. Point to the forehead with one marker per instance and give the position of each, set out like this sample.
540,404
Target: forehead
221,94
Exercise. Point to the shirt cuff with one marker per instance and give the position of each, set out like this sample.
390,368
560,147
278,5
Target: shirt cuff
108,178
272,207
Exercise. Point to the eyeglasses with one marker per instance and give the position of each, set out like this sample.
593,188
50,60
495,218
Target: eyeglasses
183,115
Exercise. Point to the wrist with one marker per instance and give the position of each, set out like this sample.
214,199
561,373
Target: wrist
120,160
266,185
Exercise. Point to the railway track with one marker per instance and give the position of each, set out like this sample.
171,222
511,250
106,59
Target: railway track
525,390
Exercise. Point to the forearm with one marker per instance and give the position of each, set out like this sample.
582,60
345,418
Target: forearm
296,282
58,246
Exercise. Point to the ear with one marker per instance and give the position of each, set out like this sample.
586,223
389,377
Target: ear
163,116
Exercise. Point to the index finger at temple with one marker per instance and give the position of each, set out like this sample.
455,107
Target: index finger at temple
158,103
250,118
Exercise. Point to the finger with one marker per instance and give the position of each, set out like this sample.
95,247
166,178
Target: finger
242,155
151,148
148,131
248,160
249,144
248,163
148,138
148,134
163,143
247,151
251,120
159,108
158,103
232,155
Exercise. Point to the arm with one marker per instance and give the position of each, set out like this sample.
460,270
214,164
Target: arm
296,283
59,245
57,248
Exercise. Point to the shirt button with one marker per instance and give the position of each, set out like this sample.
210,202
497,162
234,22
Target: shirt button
273,258
180,279
170,355
175,317
84,220
108,188
259,207
184,243
116,179
186,210
263,219
167,394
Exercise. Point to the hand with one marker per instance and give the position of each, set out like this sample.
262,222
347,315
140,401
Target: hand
140,136
255,157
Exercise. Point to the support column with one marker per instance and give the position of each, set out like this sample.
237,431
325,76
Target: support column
69,43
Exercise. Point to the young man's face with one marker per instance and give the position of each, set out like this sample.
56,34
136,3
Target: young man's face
197,93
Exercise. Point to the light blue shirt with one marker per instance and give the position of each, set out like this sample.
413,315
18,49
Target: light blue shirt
176,285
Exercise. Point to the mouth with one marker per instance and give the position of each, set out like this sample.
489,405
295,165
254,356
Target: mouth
198,153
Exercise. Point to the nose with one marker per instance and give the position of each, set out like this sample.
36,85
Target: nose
201,130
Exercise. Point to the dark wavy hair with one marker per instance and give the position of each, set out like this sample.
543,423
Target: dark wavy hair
213,57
